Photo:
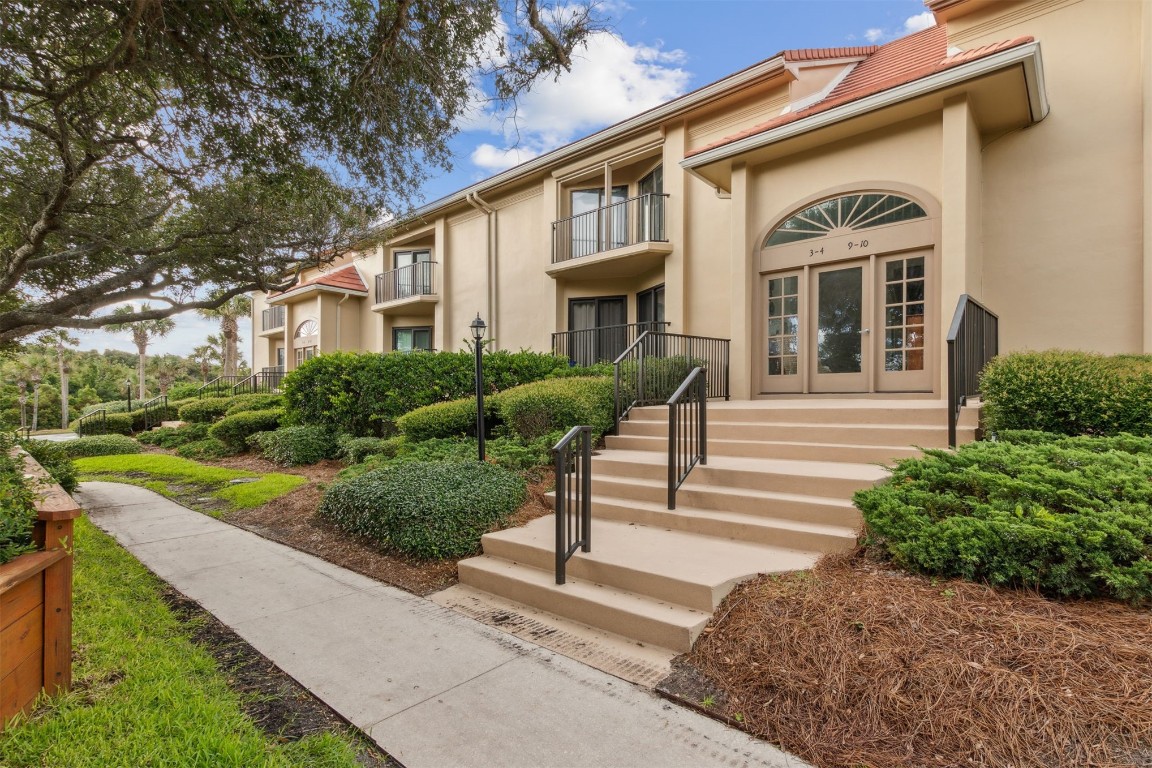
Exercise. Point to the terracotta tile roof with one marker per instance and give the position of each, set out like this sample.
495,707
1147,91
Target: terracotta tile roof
346,278
820,54
897,63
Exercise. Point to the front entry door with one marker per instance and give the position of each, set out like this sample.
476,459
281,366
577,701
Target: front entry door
839,301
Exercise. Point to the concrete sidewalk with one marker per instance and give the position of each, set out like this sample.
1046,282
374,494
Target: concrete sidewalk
433,688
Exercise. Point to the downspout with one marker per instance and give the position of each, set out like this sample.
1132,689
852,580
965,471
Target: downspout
338,318
479,204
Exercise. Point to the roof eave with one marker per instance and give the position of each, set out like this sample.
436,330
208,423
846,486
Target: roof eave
305,290
1026,55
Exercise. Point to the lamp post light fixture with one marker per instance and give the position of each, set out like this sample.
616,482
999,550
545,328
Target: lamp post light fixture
128,384
478,328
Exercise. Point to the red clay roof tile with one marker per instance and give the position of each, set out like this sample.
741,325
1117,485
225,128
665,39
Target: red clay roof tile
346,278
818,54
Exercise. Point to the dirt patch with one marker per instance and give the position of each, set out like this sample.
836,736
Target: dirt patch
322,472
856,664
279,706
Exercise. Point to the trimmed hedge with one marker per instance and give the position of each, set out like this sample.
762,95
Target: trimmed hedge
113,424
356,449
208,448
455,418
362,394
556,405
174,437
291,446
1072,393
17,513
254,402
100,445
431,510
509,453
205,411
1070,516
56,460
234,430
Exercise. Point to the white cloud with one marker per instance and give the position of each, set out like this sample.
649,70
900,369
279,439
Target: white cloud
874,35
919,22
191,331
610,81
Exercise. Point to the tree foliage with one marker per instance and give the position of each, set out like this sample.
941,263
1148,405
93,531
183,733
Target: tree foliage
159,150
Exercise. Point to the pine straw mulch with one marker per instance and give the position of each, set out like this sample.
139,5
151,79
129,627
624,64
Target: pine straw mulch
855,664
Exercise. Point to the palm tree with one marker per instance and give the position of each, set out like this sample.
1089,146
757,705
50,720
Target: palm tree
143,332
229,314
204,356
30,370
166,369
61,340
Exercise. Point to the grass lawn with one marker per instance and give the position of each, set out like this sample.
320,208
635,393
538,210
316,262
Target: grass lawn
171,476
144,694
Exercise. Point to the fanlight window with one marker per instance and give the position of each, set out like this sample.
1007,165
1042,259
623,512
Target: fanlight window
307,328
847,213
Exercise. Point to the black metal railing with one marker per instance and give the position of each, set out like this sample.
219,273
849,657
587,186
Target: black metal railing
22,433
973,340
599,345
651,369
572,458
635,220
155,411
221,386
417,279
272,318
267,381
93,423
687,430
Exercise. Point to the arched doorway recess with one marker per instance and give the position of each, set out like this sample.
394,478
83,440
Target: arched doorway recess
847,296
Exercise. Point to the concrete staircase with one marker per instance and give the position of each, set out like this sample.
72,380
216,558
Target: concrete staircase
774,496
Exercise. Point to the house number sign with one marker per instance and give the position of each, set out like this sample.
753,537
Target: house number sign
851,245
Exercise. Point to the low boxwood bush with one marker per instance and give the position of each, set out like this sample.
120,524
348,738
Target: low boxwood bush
1073,393
509,453
208,448
1070,516
17,514
254,402
100,445
455,418
355,449
431,510
205,411
111,424
537,409
235,429
292,446
56,460
174,437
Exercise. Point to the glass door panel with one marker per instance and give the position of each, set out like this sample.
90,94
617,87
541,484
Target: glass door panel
903,363
839,344
781,354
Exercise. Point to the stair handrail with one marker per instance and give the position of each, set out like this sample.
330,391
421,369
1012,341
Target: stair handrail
151,406
572,460
217,385
89,418
973,339
687,430
618,414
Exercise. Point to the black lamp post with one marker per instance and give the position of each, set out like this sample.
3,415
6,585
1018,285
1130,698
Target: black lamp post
128,382
478,328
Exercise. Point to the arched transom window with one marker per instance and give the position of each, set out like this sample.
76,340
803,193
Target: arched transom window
307,328
844,214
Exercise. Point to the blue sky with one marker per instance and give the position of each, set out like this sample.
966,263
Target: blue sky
656,50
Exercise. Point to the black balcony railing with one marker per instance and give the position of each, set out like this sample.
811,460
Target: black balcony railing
973,340
417,279
272,318
572,457
599,345
687,430
635,220
654,366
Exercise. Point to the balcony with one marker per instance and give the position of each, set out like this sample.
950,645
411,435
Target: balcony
409,290
619,240
600,345
272,321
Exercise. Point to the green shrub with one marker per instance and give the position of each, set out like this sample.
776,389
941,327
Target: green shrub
355,449
185,391
509,453
291,446
112,424
235,429
205,411
1070,517
56,460
256,402
361,394
596,369
537,409
208,448
174,437
1073,393
17,514
100,445
426,509
455,418
155,416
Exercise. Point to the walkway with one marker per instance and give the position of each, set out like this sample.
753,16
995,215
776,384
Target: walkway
432,687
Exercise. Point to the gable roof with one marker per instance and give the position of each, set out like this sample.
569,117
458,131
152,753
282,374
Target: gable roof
888,66
346,279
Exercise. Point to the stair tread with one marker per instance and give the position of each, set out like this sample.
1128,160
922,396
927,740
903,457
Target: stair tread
818,403
663,440
671,554
835,501
715,422
829,469
650,608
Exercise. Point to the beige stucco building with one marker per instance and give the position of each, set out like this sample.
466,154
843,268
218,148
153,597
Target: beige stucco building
824,209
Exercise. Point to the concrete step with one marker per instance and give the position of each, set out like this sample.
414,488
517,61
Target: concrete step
656,622
902,435
834,479
762,449
669,565
931,413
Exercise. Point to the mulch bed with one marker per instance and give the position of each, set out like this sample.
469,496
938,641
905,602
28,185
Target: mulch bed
854,663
